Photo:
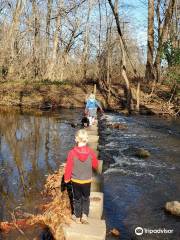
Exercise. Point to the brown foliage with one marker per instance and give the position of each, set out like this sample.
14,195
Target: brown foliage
54,214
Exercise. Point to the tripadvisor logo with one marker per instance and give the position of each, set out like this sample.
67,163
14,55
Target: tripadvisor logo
140,231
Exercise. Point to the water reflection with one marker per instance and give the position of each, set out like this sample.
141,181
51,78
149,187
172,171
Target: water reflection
31,146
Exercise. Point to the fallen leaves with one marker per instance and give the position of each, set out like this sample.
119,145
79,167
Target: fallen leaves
54,214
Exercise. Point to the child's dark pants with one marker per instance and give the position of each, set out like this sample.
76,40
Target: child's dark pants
81,193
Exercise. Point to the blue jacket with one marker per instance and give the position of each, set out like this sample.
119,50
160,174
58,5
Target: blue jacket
92,103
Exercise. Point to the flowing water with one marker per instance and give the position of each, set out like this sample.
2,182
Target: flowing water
137,189
32,145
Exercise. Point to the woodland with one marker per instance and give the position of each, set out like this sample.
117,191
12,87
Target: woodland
81,42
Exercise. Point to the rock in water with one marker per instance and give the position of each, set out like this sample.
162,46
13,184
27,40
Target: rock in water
142,153
173,207
119,126
137,152
115,232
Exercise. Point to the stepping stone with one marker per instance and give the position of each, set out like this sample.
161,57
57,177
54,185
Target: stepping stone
95,230
96,184
93,145
95,124
95,128
100,166
92,129
92,133
96,205
93,138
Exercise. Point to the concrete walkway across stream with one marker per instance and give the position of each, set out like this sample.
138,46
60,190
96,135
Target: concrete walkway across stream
96,228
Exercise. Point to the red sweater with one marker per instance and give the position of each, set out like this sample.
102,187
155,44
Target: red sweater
80,162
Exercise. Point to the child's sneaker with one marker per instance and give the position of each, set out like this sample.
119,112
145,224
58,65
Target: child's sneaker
84,219
75,219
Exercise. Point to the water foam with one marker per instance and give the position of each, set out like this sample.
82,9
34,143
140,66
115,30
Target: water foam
127,172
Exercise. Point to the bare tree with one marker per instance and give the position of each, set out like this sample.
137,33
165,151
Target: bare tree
176,24
10,47
162,36
86,42
48,22
109,63
36,42
150,42
124,52
50,72
60,41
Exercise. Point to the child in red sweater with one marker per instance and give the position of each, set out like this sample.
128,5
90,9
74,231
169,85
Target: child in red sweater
80,161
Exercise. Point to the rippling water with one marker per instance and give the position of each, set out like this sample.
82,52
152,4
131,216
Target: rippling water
137,189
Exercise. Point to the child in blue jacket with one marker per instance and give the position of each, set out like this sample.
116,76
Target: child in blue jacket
91,108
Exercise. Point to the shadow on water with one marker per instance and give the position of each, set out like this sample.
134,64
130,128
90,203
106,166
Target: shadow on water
32,145
137,189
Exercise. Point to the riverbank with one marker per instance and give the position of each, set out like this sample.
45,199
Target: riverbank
46,95
51,95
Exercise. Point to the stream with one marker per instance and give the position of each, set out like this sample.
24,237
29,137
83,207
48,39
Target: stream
34,144
137,189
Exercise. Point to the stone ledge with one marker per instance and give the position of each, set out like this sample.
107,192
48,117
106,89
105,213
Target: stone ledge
96,205
93,145
93,138
96,184
95,230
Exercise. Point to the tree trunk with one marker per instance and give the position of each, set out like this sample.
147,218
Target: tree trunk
149,75
138,97
36,43
50,73
163,36
157,67
48,22
108,79
99,50
122,47
86,42
11,38
177,19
